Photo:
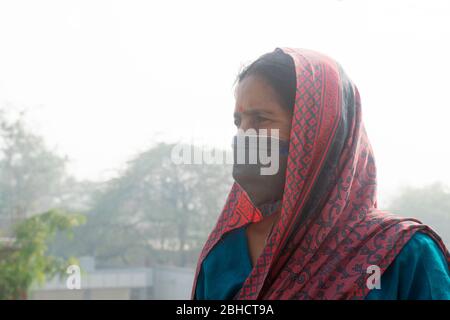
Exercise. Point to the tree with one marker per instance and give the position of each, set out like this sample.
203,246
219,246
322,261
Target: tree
154,212
25,261
31,174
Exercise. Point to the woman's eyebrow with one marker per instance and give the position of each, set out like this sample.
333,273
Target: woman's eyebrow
252,112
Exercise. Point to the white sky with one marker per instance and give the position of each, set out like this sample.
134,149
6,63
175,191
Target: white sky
102,80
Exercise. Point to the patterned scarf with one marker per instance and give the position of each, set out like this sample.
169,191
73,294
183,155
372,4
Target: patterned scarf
330,229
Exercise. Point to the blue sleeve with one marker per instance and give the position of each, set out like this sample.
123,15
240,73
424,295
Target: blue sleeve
225,268
200,289
419,272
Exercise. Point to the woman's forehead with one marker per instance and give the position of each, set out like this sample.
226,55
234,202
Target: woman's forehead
253,92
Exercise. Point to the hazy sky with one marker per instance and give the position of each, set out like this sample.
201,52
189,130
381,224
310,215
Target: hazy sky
103,80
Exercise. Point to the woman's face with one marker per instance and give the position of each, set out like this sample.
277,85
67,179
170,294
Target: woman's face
257,107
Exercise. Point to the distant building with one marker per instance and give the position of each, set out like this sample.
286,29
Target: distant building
161,282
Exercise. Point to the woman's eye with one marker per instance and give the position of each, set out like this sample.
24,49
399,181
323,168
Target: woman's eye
237,122
260,119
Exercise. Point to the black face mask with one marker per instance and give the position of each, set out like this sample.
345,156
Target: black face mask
259,167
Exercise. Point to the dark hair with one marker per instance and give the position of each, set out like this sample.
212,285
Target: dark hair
278,69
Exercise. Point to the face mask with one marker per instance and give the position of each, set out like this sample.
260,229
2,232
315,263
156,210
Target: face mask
260,167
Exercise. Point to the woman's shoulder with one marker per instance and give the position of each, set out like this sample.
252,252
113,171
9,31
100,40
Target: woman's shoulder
420,271
422,242
423,252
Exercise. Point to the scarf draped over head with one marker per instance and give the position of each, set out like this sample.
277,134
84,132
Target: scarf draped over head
330,229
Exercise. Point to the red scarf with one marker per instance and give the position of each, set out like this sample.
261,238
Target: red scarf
330,230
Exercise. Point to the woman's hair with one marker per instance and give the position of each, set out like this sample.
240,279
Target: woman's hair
278,69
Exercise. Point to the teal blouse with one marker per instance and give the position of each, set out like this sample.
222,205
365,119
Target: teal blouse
419,272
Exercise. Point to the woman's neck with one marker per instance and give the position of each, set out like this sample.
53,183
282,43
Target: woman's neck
263,226
258,233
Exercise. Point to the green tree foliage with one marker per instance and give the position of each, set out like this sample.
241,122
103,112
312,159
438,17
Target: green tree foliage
25,260
430,204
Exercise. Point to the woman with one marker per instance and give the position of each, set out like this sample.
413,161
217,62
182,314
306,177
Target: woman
313,231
